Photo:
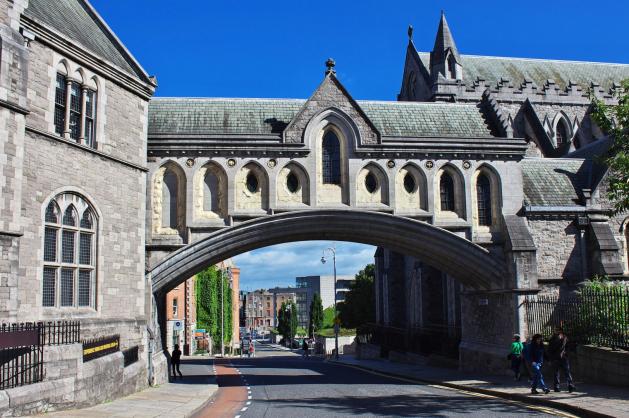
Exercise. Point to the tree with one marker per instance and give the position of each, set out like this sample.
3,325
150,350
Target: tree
360,302
614,121
315,322
328,317
208,294
287,320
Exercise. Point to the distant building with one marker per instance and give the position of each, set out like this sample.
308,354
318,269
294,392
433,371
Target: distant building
181,315
324,286
258,310
285,294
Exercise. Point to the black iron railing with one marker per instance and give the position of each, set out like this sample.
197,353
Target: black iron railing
51,332
591,316
434,339
130,355
21,355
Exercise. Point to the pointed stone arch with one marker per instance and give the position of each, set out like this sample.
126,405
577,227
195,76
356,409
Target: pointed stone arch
449,186
491,176
372,186
210,192
562,129
293,186
168,199
411,189
251,189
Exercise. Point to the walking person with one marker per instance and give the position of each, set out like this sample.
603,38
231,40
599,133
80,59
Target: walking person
526,359
252,349
537,354
304,346
559,358
515,355
175,361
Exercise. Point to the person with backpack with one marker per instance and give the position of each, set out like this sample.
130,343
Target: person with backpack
515,355
537,354
559,358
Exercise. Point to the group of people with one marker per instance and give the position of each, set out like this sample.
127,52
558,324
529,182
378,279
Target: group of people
248,349
532,354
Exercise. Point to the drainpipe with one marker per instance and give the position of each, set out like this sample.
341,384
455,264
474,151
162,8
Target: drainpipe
150,355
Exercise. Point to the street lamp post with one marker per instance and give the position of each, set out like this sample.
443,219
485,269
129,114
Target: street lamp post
290,326
336,325
223,310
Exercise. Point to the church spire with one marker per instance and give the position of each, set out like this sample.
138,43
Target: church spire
444,57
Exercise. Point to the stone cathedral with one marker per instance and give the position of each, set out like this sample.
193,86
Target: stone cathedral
479,184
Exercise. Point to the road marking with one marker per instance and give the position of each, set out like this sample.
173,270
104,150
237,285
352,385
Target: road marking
237,416
544,409
249,397
248,403
244,408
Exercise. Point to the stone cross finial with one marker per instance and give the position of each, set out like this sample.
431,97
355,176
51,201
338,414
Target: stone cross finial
330,64
410,32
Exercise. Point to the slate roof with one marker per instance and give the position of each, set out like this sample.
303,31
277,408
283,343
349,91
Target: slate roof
209,116
516,70
554,181
74,19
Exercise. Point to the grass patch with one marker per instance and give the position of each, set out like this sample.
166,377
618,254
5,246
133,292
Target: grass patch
343,332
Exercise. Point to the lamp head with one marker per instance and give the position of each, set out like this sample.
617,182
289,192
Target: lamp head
323,260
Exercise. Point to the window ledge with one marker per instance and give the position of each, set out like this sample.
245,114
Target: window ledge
54,137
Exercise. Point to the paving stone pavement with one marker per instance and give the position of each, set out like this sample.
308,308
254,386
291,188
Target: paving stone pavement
177,399
589,400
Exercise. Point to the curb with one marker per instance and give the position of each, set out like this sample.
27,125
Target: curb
498,394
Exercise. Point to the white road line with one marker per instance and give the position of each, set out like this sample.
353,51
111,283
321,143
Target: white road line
248,403
244,408
237,416
249,397
248,387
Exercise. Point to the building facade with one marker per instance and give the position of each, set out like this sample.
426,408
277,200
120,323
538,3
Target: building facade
324,286
73,117
181,314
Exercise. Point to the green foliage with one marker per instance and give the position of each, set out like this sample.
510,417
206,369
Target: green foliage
287,320
360,301
208,295
315,322
343,332
301,331
328,317
614,121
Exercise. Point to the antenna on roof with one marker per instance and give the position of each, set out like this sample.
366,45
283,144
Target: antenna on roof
410,32
330,64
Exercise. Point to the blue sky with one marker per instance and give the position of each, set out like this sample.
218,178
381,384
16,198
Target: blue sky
253,48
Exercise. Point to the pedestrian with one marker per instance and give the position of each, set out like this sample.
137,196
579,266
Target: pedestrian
537,354
252,349
175,361
305,348
515,355
559,358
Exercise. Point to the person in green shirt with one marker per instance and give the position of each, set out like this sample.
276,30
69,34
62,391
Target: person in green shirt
515,355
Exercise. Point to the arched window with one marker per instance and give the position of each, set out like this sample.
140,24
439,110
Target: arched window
483,199
252,182
331,157
69,253
409,183
210,192
169,200
452,66
292,182
561,134
446,190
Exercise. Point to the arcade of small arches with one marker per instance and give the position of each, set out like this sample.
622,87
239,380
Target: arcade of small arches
212,192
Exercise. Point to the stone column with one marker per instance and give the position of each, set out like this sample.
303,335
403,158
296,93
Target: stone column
83,113
66,128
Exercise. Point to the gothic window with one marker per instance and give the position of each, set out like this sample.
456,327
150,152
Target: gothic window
409,183
452,66
446,190
371,183
561,133
90,115
169,200
252,182
292,182
483,198
76,99
210,192
69,253
60,104
331,158
79,113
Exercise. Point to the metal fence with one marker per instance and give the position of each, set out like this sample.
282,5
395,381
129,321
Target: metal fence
592,316
21,355
435,339
51,332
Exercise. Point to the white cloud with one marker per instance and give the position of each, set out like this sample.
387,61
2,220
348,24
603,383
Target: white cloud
278,265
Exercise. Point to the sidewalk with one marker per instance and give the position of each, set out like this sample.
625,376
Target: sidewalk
179,398
590,400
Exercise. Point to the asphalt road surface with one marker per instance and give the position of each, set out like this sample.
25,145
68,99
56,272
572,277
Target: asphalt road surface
279,383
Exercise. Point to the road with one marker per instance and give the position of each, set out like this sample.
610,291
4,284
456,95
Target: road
279,384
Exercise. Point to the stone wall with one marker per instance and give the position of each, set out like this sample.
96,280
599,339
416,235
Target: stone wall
558,252
71,383
601,365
